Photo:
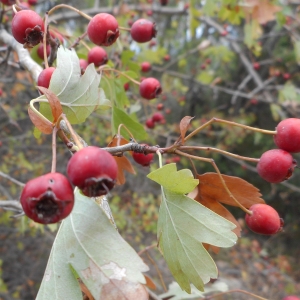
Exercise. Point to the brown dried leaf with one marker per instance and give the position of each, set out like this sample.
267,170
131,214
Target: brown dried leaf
122,162
123,290
54,103
85,290
184,126
149,283
123,165
45,126
210,187
261,10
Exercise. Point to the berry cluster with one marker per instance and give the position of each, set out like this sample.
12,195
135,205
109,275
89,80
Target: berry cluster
50,198
275,166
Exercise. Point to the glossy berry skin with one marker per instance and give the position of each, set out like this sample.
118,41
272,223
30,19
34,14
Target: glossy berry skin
143,30
40,51
264,219
256,66
48,198
157,117
291,298
32,2
45,77
145,66
97,56
143,159
276,165
286,76
126,86
103,29
288,135
83,64
149,123
160,106
150,88
27,28
93,170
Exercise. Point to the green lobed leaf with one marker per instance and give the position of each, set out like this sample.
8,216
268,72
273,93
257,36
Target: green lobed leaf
181,182
184,225
87,244
121,117
78,94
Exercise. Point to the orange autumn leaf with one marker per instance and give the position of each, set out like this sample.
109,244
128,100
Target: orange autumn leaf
261,10
211,193
122,161
184,125
149,283
43,125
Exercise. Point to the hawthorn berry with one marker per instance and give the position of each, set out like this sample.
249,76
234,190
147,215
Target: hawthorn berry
150,123
157,117
276,165
150,88
264,219
83,64
291,297
103,29
93,170
224,33
160,106
32,2
126,86
97,56
143,30
48,198
8,2
288,135
40,51
256,66
286,76
27,28
45,77
145,66
167,57
163,2
143,159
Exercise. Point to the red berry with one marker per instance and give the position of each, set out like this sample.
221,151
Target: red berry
152,43
24,5
157,117
203,67
40,51
208,61
103,29
167,57
163,2
254,101
143,30
288,135
56,35
276,165
160,106
286,76
150,124
32,2
126,86
264,219
143,159
45,77
97,56
8,2
291,298
168,111
48,198
224,33
27,28
150,88
145,66
93,170
256,65
83,64
149,13
1,92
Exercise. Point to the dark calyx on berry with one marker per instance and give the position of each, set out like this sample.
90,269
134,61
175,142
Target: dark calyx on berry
94,187
33,36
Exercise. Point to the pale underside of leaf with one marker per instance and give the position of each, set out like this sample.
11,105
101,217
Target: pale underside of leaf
88,243
183,226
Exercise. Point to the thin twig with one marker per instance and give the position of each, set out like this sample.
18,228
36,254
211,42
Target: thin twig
12,179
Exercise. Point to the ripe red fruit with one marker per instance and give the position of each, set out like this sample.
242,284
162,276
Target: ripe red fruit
160,106
157,117
56,35
126,86
8,2
143,30
83,64
256,66
276,165
143,159
24,5
163,2
288,135
254,101
150,123
48,198
45,77
40,51
291,298
93,170
167,57
27,28
32,2
150,88
145,66
264,219
103,29
97,56
286,76
1,92
224,33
